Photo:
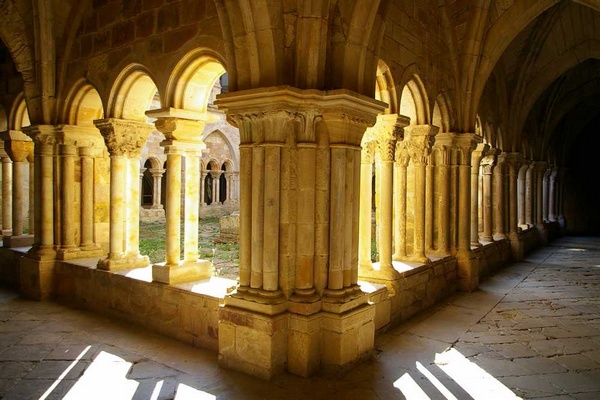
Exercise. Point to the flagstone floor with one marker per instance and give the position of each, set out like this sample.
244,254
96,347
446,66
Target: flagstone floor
531,331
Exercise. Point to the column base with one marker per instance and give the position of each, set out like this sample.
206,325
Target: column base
468,271
378,271
499,236
80,252
252,342
37,277
304,344
185,271
6,232
17,241
125,262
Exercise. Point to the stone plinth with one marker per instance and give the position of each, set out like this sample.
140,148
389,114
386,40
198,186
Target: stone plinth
17,241
229,228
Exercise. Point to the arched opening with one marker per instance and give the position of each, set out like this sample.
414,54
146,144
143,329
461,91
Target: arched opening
223,185
147,184
208,185
19,114
84,105
134,93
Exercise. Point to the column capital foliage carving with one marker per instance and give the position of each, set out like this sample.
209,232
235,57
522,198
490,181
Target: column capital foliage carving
387,149
123,137
367,153
419,141
18,146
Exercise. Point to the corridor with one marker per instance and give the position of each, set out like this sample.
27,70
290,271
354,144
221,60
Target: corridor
531,331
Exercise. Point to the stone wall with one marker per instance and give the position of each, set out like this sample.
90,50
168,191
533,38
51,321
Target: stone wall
184,312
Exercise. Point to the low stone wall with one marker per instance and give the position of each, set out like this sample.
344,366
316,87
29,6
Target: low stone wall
185,312
9,266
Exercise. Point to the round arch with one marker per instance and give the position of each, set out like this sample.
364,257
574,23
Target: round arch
133,93
83,105
192,80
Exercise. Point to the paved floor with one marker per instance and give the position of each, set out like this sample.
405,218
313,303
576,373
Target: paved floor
532,331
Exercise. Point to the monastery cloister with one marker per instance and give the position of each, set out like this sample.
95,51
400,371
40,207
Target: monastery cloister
382,154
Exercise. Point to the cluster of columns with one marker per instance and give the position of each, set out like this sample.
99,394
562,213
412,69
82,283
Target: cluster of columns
212,195
429,177
298,297
517,194
183,146
124,140
17,163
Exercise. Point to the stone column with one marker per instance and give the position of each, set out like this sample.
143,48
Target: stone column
546,194
442,149
202,187
157,174
559,202
6,195
498,199
402,160
529,195
216,192
30,161
420,139
476,157
540,167
67,154
468,265
522,195
429,204
229,186
366,190
37,265
513,166
124,140
552,195
18,146
87,244
298,297
384,136
488,164
182,138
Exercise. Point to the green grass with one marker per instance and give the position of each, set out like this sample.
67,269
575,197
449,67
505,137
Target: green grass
225,256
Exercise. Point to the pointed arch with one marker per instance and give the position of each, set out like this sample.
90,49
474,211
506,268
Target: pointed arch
19,115
385,89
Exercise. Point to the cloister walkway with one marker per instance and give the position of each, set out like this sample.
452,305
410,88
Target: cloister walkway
531,331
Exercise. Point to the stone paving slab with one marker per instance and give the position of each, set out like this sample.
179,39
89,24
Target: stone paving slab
532,331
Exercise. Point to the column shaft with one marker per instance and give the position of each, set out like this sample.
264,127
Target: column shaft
305,240
132,207
118,167
67,156
499,231
17,198
192,204
364,250
7,177
400,229
173,209
419,230
87,197
464,208
443,214
429,207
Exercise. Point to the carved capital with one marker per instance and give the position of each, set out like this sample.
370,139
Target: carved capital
123,137
367,153
419,141
387,149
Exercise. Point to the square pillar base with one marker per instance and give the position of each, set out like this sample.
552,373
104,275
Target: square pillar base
17,241
253,343
78,253
516,248
184,272
37,278
468,271
304,344
347,338
126,262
